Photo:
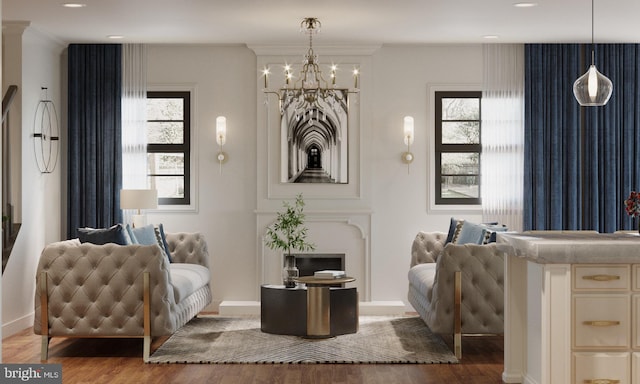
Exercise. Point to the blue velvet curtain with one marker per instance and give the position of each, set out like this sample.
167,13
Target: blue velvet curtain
94,130
580,162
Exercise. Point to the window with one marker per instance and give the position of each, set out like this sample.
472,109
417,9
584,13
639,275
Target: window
168,148
457,147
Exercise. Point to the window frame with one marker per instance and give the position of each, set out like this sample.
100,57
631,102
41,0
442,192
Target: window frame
440,148
184,148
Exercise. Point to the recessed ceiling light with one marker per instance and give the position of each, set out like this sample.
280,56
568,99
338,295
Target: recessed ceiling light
74,5
525,5
490,36
115,37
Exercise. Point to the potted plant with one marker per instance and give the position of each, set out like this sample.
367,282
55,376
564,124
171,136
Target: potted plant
289,233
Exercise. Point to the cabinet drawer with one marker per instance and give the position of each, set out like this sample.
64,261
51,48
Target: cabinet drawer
601,368
636,277
635,367
601,277
601,321
636,320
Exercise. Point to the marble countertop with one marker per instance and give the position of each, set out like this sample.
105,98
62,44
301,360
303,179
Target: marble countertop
567,247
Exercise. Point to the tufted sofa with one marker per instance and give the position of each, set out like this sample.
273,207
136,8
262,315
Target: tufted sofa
87,290
457,289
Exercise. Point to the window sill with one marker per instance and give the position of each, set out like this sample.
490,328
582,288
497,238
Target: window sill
175,208
469,209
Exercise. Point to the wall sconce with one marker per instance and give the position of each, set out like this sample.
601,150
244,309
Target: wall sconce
221,138
407,157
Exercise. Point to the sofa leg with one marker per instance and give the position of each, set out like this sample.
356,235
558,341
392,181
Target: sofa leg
44,316
146,317
146,349
457,315
44,348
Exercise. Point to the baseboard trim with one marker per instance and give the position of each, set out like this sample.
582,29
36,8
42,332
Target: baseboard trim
366,308
17,325
512,377
233,308
382,308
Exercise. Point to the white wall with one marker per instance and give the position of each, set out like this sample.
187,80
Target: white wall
225,79
41,193
228,82
225,82
403,78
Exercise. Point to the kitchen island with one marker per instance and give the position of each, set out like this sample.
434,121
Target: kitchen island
572,305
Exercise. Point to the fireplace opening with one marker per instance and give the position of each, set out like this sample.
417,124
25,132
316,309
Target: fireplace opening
308,263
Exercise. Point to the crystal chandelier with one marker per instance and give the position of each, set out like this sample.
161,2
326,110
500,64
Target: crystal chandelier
310,91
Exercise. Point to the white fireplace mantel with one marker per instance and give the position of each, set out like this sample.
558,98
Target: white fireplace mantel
344,232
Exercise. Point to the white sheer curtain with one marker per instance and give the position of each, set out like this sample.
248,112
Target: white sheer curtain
503,134
134,118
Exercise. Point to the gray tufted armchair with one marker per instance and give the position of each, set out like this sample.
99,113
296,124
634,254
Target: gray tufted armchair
87,290
457,289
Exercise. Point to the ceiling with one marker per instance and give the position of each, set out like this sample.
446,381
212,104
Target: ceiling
344,22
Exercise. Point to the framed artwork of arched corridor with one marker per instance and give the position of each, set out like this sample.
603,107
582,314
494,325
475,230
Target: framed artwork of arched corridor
315,140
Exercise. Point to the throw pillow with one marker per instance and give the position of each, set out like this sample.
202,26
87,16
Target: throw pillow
130,233
101,236
162,241
144,235
150,235
452,230
469,233
491,232
127,235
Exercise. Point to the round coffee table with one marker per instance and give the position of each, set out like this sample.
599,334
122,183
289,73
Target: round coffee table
319,304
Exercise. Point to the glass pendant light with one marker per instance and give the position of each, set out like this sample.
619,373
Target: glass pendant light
593,89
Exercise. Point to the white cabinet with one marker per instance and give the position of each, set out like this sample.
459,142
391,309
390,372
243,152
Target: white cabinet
587,277
572,307
601,322
635,329
635,367
601,368
605,313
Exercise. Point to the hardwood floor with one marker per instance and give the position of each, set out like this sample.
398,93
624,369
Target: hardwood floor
95,361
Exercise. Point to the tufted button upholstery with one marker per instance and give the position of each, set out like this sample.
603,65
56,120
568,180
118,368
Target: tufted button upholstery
431,286
97,290
426,247
190,248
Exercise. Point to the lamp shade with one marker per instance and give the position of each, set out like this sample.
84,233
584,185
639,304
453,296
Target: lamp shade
408,130
138,199
221,130
592,89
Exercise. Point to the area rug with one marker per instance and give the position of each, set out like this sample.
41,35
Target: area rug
229,340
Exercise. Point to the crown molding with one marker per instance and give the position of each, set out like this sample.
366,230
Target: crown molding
336,50
15,27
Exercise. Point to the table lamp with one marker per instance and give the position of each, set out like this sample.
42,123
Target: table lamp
139,199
